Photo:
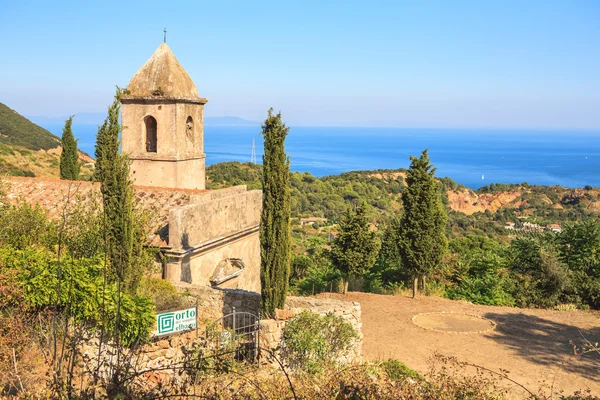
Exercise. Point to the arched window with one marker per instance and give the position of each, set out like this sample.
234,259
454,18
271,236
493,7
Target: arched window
189,127
150,134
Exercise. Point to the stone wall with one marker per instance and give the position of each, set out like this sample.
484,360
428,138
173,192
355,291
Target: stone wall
213,304
271,330
156,361
163,353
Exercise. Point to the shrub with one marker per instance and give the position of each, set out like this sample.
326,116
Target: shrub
23,226
311,342
83,296
161,292
396,370
300,265
319,279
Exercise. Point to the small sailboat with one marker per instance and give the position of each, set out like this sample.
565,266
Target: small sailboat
482,177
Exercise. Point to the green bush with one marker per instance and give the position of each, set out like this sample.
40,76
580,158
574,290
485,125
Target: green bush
83,295
300,266
318,280
23,226
396,370
162,293
312,342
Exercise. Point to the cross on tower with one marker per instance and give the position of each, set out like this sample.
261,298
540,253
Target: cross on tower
165,32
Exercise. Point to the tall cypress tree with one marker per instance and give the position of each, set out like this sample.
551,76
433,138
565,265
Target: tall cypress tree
355,249
421,237
123,239
69,160
275,249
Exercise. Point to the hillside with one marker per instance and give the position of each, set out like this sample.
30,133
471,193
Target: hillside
17,130
27,149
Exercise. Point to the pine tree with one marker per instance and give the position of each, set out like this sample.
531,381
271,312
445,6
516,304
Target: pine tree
355,249
69,160
123,237
421,230
275,249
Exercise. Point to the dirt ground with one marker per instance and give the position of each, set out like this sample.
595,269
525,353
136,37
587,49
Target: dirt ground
532,344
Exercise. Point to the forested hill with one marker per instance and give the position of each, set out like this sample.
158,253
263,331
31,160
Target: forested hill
483,211
18,130
327,197
27,149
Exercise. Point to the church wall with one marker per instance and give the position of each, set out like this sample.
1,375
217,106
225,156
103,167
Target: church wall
195,224
202,266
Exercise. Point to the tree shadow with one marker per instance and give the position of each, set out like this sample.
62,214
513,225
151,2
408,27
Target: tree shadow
546,342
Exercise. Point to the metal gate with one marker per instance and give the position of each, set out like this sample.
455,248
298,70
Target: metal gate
235,335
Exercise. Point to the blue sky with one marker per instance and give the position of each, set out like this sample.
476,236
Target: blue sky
495,64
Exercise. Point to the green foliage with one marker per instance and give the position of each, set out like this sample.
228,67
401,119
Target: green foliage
301,264
489,289
540,278
83,233
18,130
234,173
499,187
163,294
83,294
355,249
107,141
397,370
275,243
69,158
23,226
477,272
312,342
327,197
421,235
579,247
319,279
124,239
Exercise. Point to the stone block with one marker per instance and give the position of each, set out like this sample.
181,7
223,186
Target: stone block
283,315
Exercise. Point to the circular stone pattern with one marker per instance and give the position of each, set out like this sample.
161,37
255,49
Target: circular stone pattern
453,322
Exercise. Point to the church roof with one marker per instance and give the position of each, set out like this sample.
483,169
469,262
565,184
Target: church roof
53,195
162,75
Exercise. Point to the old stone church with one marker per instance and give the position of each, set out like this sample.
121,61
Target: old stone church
206,237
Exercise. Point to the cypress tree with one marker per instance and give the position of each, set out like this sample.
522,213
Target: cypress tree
275,219
421,237
123,241
355,249
69,160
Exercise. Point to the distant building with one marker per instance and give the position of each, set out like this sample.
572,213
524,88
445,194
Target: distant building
528,226
555,228
312,220
332,235
509,225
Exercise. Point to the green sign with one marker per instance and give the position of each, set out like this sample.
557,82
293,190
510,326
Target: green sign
175,321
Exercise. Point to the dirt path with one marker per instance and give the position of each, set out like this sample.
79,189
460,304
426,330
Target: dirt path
532,344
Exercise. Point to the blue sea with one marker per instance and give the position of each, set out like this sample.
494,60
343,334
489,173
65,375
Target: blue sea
472,157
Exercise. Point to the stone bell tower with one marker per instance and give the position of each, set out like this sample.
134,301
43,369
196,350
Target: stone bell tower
163,125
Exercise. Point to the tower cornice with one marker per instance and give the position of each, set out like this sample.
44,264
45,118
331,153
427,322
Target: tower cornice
128,99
